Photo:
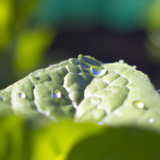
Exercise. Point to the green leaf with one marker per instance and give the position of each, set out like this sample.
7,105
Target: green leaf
87,90
70,141
31,45
12,138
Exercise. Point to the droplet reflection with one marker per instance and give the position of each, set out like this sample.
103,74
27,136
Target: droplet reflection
97,72
22,95
56,94
139,104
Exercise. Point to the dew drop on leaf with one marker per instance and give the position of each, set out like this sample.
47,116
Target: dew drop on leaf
121,61
22,95
139,104
97,72
56,94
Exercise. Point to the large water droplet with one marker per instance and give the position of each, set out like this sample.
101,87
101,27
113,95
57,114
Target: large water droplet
98,72
151,120
139,104
22,95
100,123
56,94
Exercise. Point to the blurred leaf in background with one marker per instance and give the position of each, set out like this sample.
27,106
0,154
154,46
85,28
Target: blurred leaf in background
153,33
70,141
29,27
22,45
6,20
153,45
31,46
12,135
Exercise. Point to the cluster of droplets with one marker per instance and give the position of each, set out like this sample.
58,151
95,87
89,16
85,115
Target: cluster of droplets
22,95
56,94
96,72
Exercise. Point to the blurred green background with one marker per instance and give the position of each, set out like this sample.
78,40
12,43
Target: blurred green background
35,33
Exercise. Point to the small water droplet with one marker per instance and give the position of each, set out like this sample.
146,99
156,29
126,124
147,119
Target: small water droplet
97,72
56,94
151,120
121,61
22,95
139,104
100,123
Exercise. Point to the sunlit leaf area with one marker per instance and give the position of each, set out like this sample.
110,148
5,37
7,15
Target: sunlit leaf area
36,33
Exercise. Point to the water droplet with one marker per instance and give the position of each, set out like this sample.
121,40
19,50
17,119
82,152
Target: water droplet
56,94
139,104
97,72
100,123
121,61
151,120
22,95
